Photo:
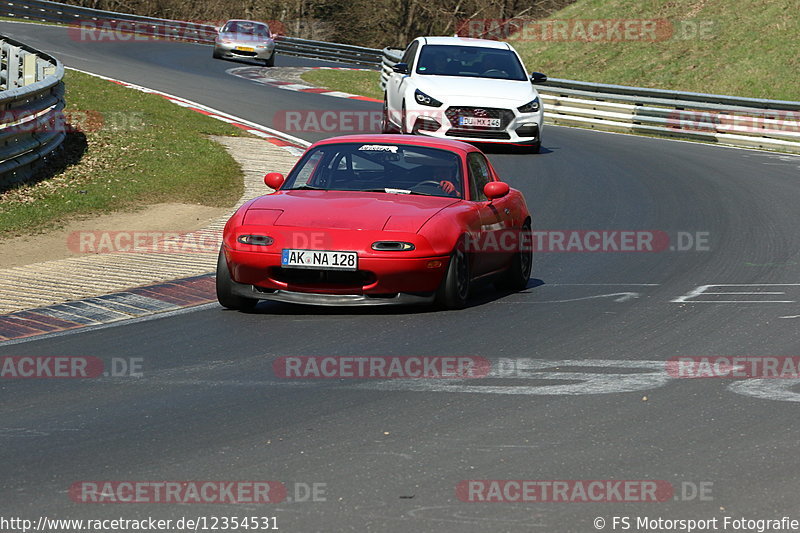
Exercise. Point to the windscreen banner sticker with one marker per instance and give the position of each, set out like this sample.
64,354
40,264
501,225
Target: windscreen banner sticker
378,148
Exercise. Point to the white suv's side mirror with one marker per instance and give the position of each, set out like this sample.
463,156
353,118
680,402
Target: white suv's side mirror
538,77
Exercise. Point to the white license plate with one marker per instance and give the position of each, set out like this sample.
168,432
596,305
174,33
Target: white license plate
479,121
320,259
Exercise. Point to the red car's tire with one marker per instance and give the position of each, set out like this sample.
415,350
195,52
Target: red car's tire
453,293
519,272
225,295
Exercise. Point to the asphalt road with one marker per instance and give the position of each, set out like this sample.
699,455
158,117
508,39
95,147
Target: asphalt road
391,453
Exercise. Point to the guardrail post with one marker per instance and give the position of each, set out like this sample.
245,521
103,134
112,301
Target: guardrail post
3,66
12,69
28,68
44,69
41,65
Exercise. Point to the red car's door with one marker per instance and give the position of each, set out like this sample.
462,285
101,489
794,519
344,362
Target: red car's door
491,249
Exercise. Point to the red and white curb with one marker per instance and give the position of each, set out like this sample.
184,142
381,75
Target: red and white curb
291,144
133,303
257,74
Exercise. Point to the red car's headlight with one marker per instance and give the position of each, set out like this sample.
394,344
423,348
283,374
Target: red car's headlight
256,240
392,246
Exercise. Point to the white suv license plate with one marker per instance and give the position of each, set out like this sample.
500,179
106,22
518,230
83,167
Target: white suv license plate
319,259
479,121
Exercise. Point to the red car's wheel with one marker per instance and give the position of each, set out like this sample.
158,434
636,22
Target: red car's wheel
225,295
519,272
453,293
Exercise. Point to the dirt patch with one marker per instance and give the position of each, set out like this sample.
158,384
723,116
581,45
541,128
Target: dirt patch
168,218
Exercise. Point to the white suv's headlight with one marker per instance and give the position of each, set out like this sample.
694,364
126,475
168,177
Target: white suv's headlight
424,99
531,107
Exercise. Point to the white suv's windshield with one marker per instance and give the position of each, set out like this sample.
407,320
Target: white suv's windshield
470,61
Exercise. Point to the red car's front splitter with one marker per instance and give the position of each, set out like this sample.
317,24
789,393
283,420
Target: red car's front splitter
310,298
390,280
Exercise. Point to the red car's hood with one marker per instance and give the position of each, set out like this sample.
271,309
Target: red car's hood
353,210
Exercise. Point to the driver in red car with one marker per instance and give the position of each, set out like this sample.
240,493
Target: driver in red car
448,187
447,183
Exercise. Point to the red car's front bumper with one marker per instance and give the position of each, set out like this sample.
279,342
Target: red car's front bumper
377,280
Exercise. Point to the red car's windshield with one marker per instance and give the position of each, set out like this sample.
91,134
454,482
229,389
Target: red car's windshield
389,168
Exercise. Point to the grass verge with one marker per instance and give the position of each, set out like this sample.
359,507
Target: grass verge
125,150
711,46
363,83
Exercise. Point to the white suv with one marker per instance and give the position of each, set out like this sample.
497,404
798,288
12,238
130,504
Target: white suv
468,89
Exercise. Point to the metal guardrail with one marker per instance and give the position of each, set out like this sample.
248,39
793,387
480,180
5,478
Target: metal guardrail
293,46
31,110
746,122
86,18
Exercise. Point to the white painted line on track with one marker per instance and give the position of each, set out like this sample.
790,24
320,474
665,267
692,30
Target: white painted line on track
703,290
620,297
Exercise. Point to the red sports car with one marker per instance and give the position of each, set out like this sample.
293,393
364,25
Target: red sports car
375,220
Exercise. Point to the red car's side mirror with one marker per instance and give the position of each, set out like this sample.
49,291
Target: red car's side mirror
274,180
495,189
